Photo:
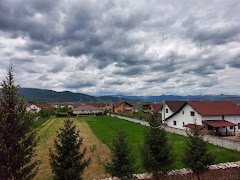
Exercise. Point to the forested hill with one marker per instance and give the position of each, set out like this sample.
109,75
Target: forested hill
32,94
44,95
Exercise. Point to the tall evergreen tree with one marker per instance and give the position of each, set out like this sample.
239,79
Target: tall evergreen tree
122,161
68,160
17,141
156,152
196,154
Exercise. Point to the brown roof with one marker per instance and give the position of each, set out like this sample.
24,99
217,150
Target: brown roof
215,107
85,108
44,106
219,123
119,103
175,105
156,106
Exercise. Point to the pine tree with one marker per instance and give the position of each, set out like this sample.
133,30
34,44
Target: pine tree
196,154
122,161
17,141
68,160
156,152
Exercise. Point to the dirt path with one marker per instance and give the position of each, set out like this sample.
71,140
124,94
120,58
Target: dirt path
98,151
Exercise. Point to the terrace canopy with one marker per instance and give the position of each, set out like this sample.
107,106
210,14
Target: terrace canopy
200,128
216,124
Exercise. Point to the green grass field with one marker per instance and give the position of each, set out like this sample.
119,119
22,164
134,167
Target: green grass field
105,128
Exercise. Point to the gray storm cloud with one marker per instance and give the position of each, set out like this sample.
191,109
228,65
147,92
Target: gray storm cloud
123,47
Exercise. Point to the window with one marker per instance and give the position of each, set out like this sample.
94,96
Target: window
192,113
210,128
174,123
231,127
166,110
238,125
183,124
182,112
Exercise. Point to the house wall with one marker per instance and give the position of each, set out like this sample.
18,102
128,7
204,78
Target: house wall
165,106
87,112
234,119
33,108
185,118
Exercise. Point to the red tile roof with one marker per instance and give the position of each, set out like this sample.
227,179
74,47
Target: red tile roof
219,123
215,107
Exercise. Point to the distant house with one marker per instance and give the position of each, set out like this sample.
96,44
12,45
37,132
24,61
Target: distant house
33,108
136,107
87,110
215,117
45,106
155,108
146,107
122,107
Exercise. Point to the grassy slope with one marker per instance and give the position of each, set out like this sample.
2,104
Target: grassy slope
46,129
105,129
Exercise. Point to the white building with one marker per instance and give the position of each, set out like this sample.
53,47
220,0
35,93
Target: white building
217,117
33,108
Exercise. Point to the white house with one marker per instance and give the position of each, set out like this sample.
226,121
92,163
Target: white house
217,117
33,108
169,108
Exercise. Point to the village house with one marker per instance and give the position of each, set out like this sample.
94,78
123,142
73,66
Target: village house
87,110
45,105
155,108
215,117
33,108
168,108
122,107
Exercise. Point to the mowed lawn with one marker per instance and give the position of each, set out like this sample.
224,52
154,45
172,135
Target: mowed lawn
105,128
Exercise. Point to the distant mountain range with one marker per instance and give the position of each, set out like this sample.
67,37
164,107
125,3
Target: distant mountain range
44,95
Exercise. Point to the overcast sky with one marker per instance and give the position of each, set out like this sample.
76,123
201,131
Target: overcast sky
135,47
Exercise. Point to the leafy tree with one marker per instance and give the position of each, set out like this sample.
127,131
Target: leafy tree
17,141
47,112
156,152
68,161
122,161
196,154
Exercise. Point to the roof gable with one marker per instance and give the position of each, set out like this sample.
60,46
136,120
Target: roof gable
119,103
175,105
